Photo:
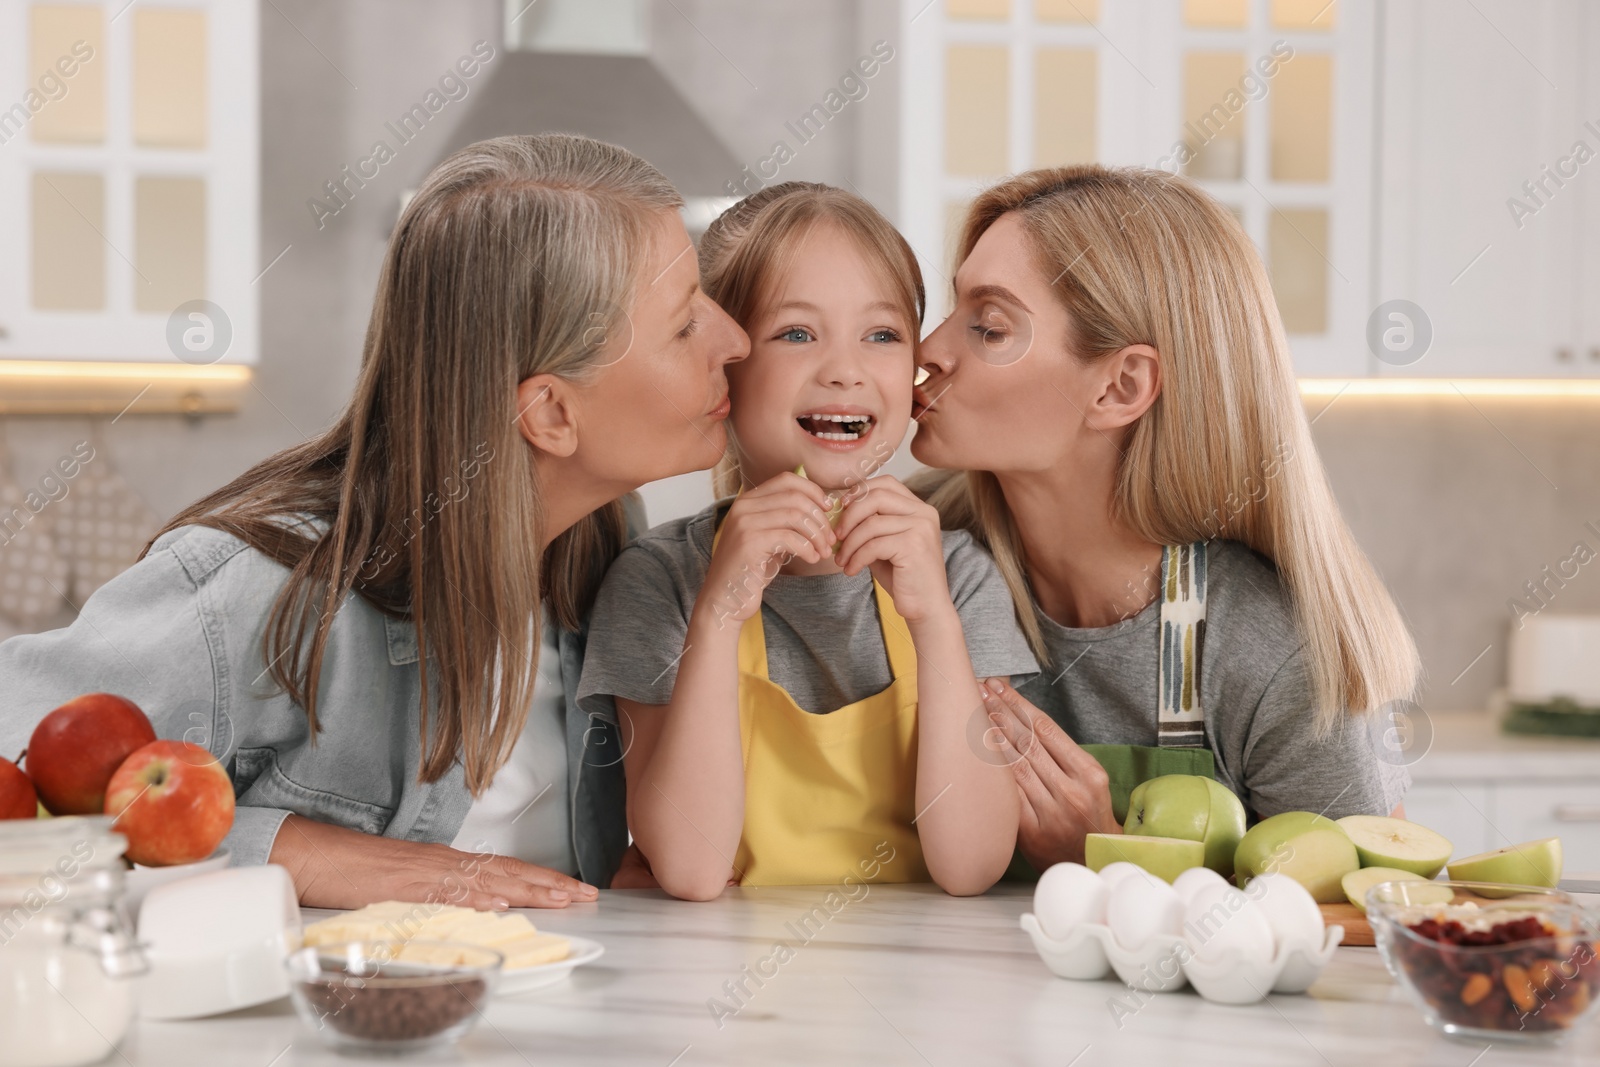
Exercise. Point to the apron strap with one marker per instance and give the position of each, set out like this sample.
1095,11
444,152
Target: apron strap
1180,721
752,638
896,636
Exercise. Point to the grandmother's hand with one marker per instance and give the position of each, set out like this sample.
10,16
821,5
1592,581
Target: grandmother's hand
334,867
1064,791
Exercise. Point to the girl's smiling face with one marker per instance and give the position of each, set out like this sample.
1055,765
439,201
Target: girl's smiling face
828,381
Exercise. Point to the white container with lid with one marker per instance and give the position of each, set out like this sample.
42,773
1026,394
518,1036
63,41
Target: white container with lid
67,956
216,942
1553,656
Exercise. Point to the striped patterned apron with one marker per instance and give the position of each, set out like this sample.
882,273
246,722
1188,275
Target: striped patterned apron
1180,717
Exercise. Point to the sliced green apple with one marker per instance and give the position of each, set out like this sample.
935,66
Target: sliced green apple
1356,884
1535,863
1164,857
833,512
1382,841
1189,806
1310,848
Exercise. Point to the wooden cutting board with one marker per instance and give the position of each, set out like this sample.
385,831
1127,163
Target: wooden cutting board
1357,931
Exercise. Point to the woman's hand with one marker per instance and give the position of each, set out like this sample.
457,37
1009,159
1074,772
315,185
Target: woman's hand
334,867
1065,791
888,528
780,519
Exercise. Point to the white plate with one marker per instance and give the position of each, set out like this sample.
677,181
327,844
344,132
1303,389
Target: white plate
545,974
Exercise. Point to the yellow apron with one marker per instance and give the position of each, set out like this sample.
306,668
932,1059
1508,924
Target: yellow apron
829,796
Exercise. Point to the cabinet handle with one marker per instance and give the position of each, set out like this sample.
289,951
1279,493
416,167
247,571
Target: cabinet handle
1594,353
1563,355
1576,813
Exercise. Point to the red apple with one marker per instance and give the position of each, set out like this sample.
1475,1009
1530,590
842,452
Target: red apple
18,798
76,747
172,801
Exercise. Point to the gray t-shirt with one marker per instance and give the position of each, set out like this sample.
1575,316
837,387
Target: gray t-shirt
824,642
1101,687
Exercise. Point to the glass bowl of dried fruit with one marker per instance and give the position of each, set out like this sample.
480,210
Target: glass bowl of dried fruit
392,996
1490,962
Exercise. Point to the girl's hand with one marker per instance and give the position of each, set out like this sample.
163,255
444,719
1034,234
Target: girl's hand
779,520
335,867
1064,791
887,528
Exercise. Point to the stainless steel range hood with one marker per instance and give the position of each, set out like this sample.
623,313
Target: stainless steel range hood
583,66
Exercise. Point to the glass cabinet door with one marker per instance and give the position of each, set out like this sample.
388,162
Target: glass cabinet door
1266,103
128,176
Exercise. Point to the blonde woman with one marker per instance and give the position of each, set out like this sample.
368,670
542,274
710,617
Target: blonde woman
379,631
1115,385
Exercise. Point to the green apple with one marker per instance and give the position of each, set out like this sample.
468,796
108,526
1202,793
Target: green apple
1313,850
1382,841
1164,857
1193,807
1356,884
1536,863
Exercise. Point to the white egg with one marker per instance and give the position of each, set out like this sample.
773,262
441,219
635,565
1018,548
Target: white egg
1290,910
1142,909
1221,922
1190,882
1113,873
1068,894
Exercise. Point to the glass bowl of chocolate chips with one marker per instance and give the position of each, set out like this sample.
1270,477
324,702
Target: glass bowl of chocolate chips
1490,962
392,996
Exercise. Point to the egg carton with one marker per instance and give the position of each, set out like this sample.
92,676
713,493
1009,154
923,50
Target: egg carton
1167,963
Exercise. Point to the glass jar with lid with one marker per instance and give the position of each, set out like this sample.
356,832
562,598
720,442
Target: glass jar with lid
68,958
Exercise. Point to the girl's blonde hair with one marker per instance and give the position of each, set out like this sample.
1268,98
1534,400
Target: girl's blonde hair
1144,257
750,245
501,267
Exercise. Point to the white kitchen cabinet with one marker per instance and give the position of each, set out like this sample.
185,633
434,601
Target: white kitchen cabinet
1568,810
1478,815
129,162
1461,813
1586,352
1485,789
1481,198
1266,103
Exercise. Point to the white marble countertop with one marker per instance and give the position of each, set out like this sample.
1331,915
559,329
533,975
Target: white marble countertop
902,975
1470,744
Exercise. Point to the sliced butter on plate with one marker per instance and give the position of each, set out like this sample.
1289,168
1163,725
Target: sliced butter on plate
534,949
513,935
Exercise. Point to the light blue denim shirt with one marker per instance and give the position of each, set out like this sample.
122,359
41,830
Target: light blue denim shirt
180,634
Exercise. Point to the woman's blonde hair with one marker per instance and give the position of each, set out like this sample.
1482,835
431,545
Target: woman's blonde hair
750,245
511,259
1144,257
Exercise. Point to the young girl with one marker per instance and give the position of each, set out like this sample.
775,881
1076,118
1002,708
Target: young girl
798,696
